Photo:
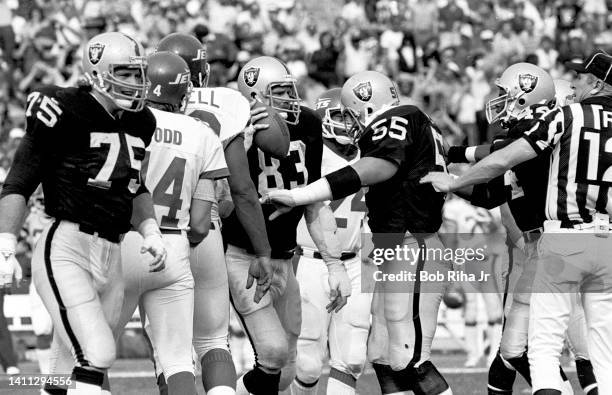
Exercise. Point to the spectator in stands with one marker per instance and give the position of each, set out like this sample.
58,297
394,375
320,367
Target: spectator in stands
547,54
324,60
424,21
507,44
408,58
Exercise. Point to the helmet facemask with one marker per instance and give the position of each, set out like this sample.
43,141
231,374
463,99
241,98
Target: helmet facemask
334,126
504,107
353,125
287,102
127,95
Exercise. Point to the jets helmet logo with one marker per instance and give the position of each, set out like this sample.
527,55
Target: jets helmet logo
251,75
322,103
363,91
527,82
95,52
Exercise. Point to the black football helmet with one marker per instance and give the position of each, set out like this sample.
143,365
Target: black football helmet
192,51
170,80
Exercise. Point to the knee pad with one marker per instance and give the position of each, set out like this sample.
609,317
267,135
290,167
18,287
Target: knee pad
102,356
203,345
395,312
309,366
273,355
428,381
514,338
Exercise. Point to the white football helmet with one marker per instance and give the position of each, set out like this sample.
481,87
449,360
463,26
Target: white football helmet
107,53
521,85
261,77
364,96
564,93
329,108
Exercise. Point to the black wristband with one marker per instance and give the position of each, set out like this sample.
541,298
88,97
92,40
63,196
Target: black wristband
456,154
343,182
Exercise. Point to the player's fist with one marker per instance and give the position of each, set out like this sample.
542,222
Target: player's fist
339,286
262,271
154,245
282,199
9,266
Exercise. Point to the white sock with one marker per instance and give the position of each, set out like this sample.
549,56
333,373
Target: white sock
106,392
473,341
337,387
298,389
84,389
448,391
43,357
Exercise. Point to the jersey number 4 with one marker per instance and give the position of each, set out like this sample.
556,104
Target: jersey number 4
173,176
271,178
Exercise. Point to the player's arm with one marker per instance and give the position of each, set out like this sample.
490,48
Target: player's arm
336,185
468,154
539,136
143,220
321,225
199,215
245,198
513,231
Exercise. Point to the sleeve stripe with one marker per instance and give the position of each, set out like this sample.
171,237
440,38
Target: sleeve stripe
215,174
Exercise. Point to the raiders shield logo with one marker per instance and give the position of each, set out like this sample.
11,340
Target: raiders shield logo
95,52
363,91
527,82
251,75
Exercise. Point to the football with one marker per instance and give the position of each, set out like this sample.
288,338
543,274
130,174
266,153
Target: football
275,139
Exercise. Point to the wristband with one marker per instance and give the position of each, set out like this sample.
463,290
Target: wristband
470,154
148,227
456,154
8,244
343,182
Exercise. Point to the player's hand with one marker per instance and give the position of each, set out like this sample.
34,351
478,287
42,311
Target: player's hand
260,270
282,199
9,266
339,286
441,182
154,245
258,114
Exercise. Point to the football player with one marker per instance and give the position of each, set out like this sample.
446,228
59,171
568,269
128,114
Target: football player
273,324
345,332
398,144
524,190
180,166
227,113
86,145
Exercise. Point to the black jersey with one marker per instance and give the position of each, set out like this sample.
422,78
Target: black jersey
407,137
88,161
524,187
302,166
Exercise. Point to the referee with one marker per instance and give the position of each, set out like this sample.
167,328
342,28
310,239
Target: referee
576,247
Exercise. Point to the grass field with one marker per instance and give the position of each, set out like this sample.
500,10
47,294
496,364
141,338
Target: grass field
135,377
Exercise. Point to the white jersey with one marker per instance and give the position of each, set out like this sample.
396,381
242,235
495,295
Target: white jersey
182,151
35,224
350,212
225,110
468,221
227,113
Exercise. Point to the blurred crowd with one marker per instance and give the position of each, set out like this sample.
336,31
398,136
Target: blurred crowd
443,54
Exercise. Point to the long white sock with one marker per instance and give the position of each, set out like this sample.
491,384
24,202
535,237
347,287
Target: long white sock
566,388
336,387
494,333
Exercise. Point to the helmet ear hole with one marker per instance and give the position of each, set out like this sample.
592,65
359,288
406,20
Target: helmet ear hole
521,101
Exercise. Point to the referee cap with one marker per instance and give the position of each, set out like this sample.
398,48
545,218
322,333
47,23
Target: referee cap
599,63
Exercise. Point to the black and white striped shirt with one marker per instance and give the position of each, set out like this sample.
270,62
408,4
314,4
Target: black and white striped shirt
580,176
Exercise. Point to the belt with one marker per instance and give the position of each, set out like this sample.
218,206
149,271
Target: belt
174,231
316,255
580,225
113,237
